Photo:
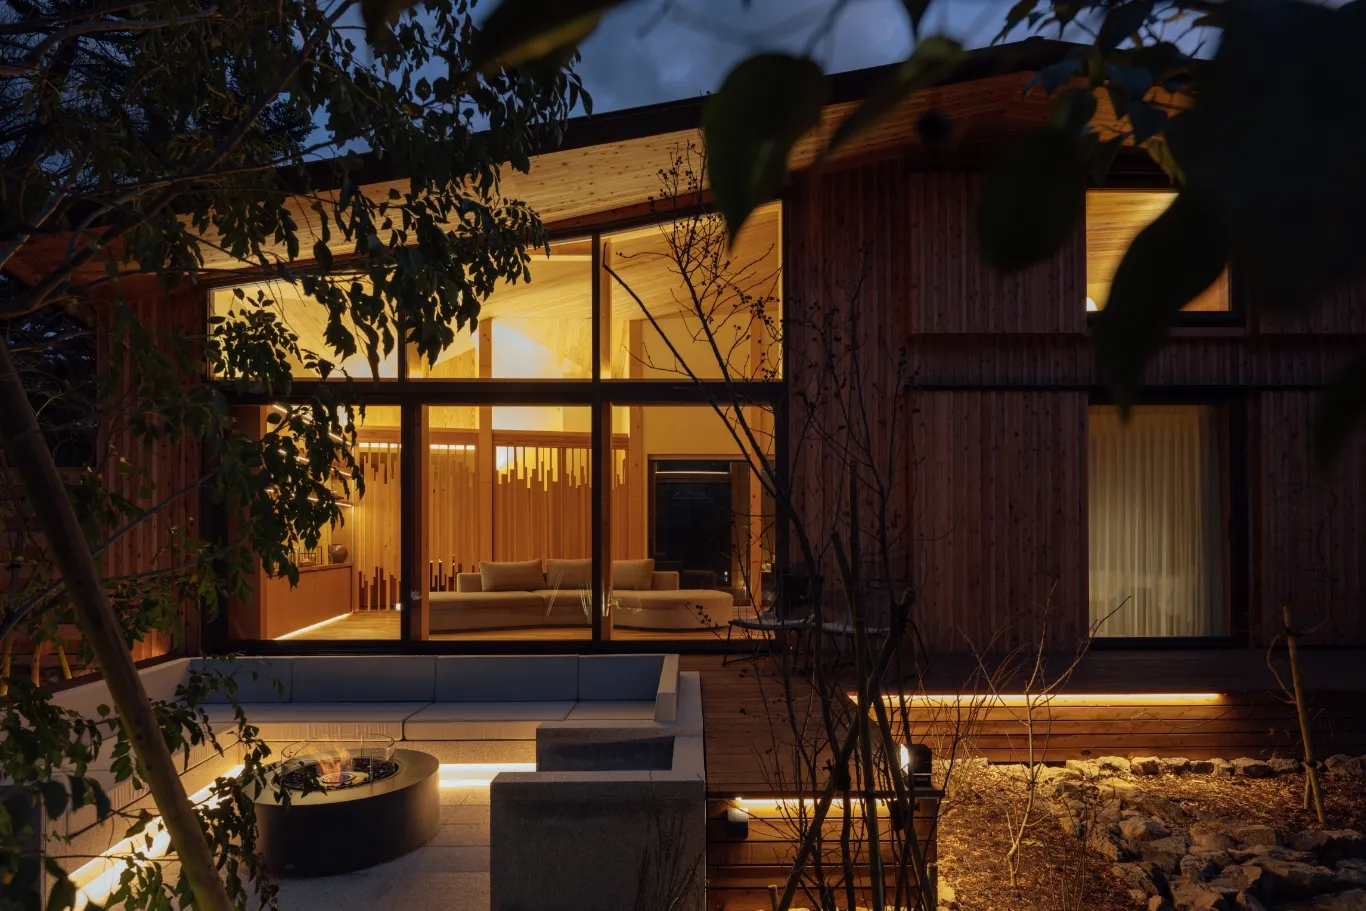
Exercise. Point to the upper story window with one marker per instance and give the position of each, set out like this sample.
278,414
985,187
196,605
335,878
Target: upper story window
1113,219
684,302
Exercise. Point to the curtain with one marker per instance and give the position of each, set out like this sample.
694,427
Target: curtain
1156,522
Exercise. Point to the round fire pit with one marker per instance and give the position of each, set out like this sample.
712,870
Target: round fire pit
351,805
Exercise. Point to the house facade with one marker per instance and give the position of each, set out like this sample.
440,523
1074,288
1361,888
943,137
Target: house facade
518,487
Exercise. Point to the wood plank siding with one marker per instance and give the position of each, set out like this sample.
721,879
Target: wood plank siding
156,470
1001,376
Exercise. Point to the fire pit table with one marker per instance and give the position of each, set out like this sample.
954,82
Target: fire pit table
352,804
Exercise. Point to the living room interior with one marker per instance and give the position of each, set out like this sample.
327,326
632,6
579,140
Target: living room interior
509,487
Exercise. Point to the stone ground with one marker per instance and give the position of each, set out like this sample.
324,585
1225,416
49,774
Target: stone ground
449,873
1114,834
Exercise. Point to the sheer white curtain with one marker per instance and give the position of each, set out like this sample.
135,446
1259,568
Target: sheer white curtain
1156,522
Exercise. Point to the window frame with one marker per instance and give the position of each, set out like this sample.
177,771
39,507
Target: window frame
598,393
1232,405
1235,317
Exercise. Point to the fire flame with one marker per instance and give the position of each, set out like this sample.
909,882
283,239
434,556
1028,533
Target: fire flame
335,766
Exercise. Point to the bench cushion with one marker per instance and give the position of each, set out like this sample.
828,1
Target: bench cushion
367,678
619,678
483,720
613,711
258,679
510,678
333,720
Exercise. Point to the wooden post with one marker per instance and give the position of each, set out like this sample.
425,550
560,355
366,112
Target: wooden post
415,464
600,468
1311,772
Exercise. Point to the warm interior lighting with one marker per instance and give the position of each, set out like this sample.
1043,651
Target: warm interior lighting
96,879
904,754
1019,699
311,627
1091,305
477,774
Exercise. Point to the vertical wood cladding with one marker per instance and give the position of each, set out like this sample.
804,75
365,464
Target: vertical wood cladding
1000,517
996,474
1308,536
155,470
953,291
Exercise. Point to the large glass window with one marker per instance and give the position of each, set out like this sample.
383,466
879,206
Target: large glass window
692,509
1157,535
683,302
1113,220
540,327
509,529
272,310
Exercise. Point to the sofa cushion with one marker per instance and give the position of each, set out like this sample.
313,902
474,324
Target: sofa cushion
368,678
525,576
619,678
576,574
483,720
632,575
334,720
258,679
613,711
507,678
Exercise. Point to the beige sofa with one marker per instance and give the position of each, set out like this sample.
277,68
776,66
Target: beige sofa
663,606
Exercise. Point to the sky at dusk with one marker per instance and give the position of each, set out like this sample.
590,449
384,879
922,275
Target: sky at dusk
656,50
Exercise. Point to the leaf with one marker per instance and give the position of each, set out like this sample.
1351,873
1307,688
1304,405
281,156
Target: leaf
1031,200
1167,265
1055,75
927,64
54,797
379,13
1340,412
1073,110
1147,121
323,254
916,10
765,105
526,31
1122,22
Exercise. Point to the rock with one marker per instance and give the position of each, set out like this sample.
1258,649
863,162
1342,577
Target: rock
1248,902
1109,813
1136,876
1221,768
1164,853
1169,811
1104,846
948,898
1145,765
1141,828
1220,859
1284,766
1288,879
1205,839
1015,770
1340,765
1253,768
1190,896
1198,868
1201,766
1243,855
1158,903
1351,900
1241,878
1051,774
1329,844
1122,788
1352,863
1350,877
1115,764
1084,767
1175,765
1254,834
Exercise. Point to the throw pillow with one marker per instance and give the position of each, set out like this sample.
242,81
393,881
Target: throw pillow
525,576
633,575
569,574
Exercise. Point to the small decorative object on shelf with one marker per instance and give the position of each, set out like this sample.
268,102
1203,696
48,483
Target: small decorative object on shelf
306,557
337,553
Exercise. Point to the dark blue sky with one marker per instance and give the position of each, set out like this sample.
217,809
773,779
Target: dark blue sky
656,50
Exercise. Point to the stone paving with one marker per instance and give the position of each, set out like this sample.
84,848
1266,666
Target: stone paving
449,873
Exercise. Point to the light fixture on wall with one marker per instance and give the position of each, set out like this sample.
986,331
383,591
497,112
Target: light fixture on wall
737,822
1091,305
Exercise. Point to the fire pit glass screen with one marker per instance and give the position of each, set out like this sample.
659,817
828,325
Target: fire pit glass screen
336,764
